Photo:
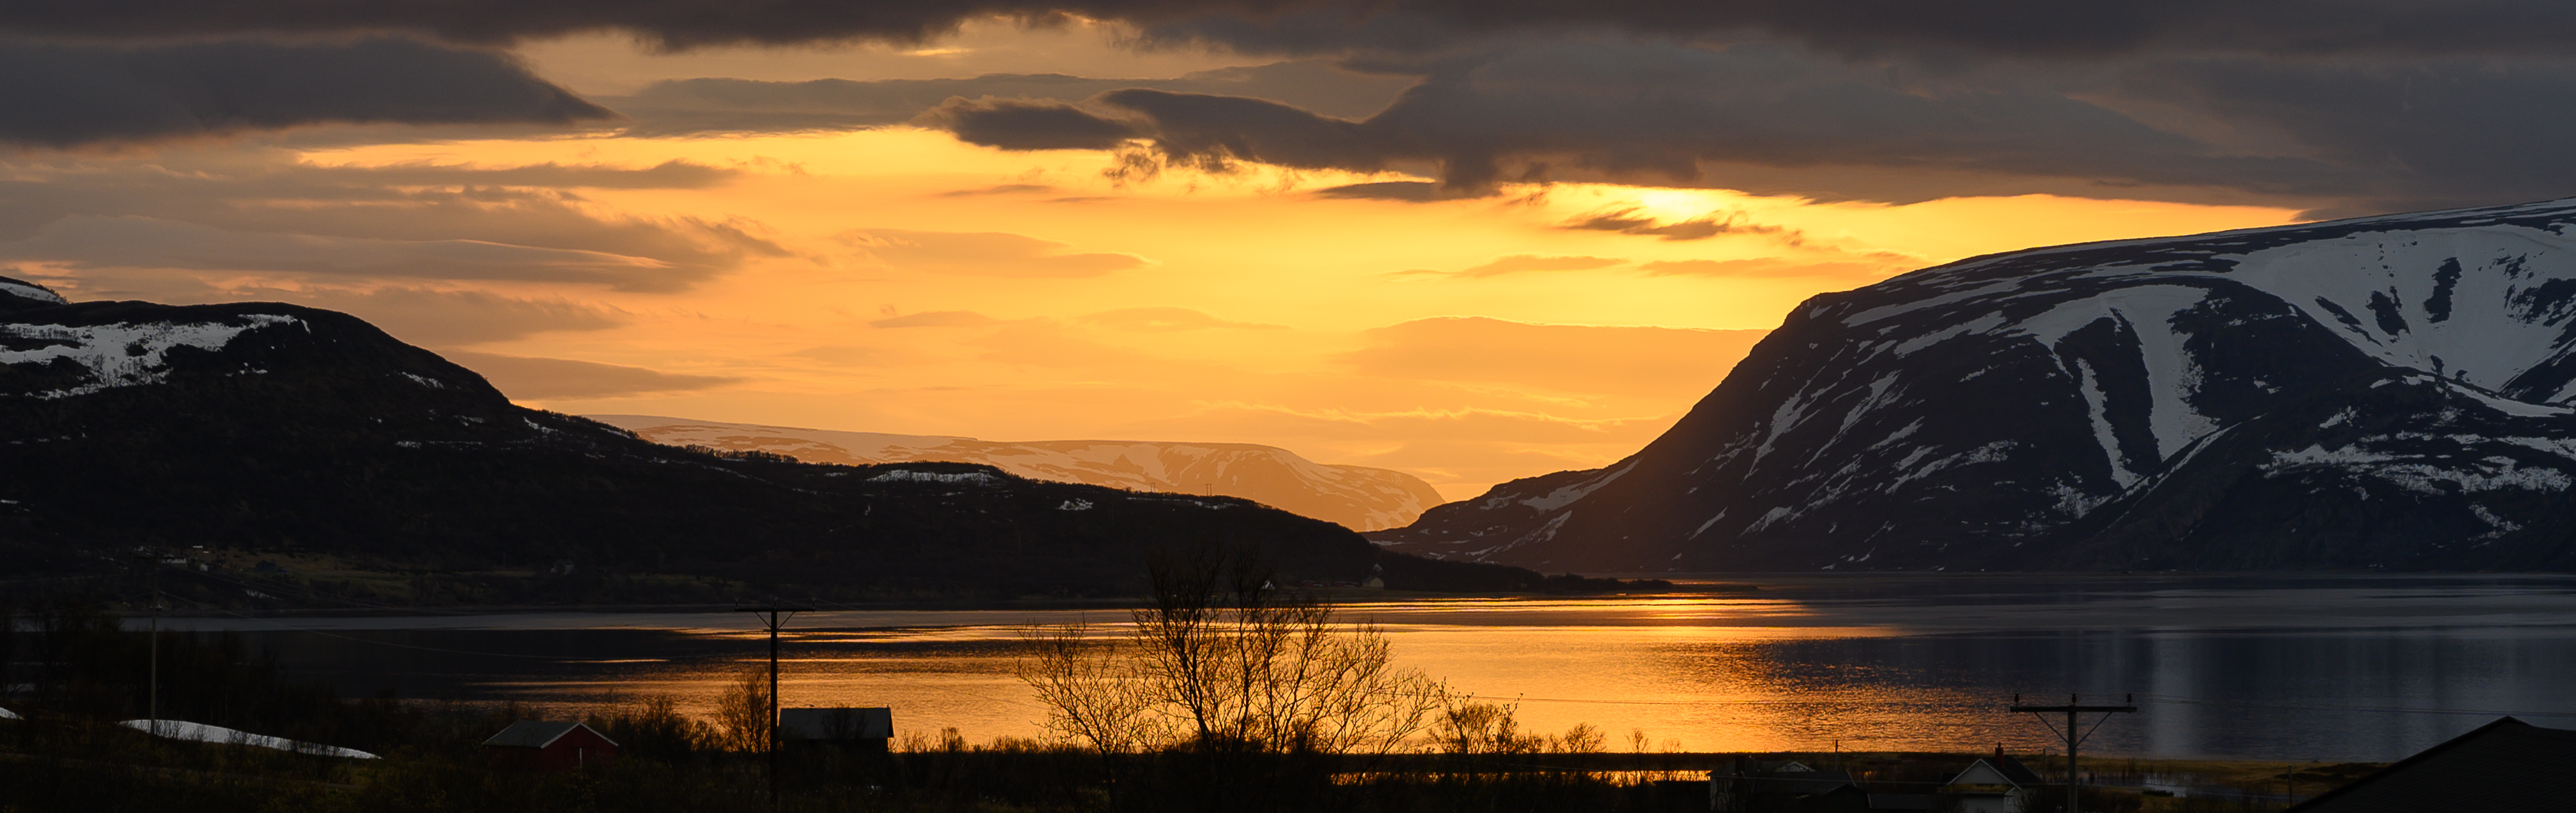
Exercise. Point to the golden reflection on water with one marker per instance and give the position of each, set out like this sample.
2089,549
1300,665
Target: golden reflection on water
1684,671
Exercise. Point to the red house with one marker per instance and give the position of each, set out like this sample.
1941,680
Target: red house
539,745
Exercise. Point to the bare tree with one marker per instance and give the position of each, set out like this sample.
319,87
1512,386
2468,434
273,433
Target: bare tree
1093,691
1223,661
742,715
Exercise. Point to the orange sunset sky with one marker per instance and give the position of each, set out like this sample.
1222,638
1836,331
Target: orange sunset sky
892,277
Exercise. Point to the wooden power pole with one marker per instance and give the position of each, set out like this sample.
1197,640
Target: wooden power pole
2072,710
773,618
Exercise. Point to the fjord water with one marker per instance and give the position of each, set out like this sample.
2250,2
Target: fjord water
2336,668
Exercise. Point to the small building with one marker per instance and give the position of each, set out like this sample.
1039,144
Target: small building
1996,784
864,729
543,745
2504,765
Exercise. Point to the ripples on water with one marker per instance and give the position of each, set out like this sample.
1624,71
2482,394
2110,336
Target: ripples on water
2333,668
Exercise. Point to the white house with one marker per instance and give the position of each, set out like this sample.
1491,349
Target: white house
1995,784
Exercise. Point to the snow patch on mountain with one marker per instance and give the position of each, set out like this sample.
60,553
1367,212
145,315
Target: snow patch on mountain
2389,385
23,290
122,354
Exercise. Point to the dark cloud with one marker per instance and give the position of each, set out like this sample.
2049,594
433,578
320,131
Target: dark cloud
260,211
63,95
1660,113
672,174
1014,124
531,378
2016,27
742,105
142,242
2365,105
1785,121
1630,221
1408,191
2428,134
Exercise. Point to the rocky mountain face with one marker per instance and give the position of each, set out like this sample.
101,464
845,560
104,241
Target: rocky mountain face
1356,497
2389,392
274,427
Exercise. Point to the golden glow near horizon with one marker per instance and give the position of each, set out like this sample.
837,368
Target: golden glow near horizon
903,281
934,287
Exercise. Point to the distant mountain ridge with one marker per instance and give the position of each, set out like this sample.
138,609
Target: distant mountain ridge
265,426
2380,393
1356,497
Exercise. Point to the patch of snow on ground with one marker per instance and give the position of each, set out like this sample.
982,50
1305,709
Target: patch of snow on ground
31,292
2512,407
426,381
2500,525
1075,505
1703,527
908,475
2073,502
2417,475
2097,409
2172,378
1776,514
200,732
1565,496
125,354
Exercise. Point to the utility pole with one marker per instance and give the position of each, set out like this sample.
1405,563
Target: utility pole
2073,737
152,673
156,657
773,621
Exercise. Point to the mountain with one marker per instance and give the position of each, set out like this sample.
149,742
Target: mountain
1356,497
2387,392
262,427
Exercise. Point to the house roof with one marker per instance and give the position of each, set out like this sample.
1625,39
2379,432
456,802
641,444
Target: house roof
836,724
1999,766
2020,774
2504,765
539,734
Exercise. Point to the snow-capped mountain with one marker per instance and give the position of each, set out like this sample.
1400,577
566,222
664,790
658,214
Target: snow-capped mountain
269,426
1356,497
2389,392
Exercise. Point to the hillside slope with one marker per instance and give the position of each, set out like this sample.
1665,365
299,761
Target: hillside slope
273,427
2388,392
1355,497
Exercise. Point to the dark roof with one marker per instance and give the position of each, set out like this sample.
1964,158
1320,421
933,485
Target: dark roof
2013,769
836,724
2504,765
539,734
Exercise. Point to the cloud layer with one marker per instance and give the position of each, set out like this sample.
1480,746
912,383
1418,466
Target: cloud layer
2006,27
61,95
261,211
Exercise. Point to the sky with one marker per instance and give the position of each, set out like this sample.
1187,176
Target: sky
1468,241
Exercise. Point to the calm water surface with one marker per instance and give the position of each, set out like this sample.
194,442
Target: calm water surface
2333,668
